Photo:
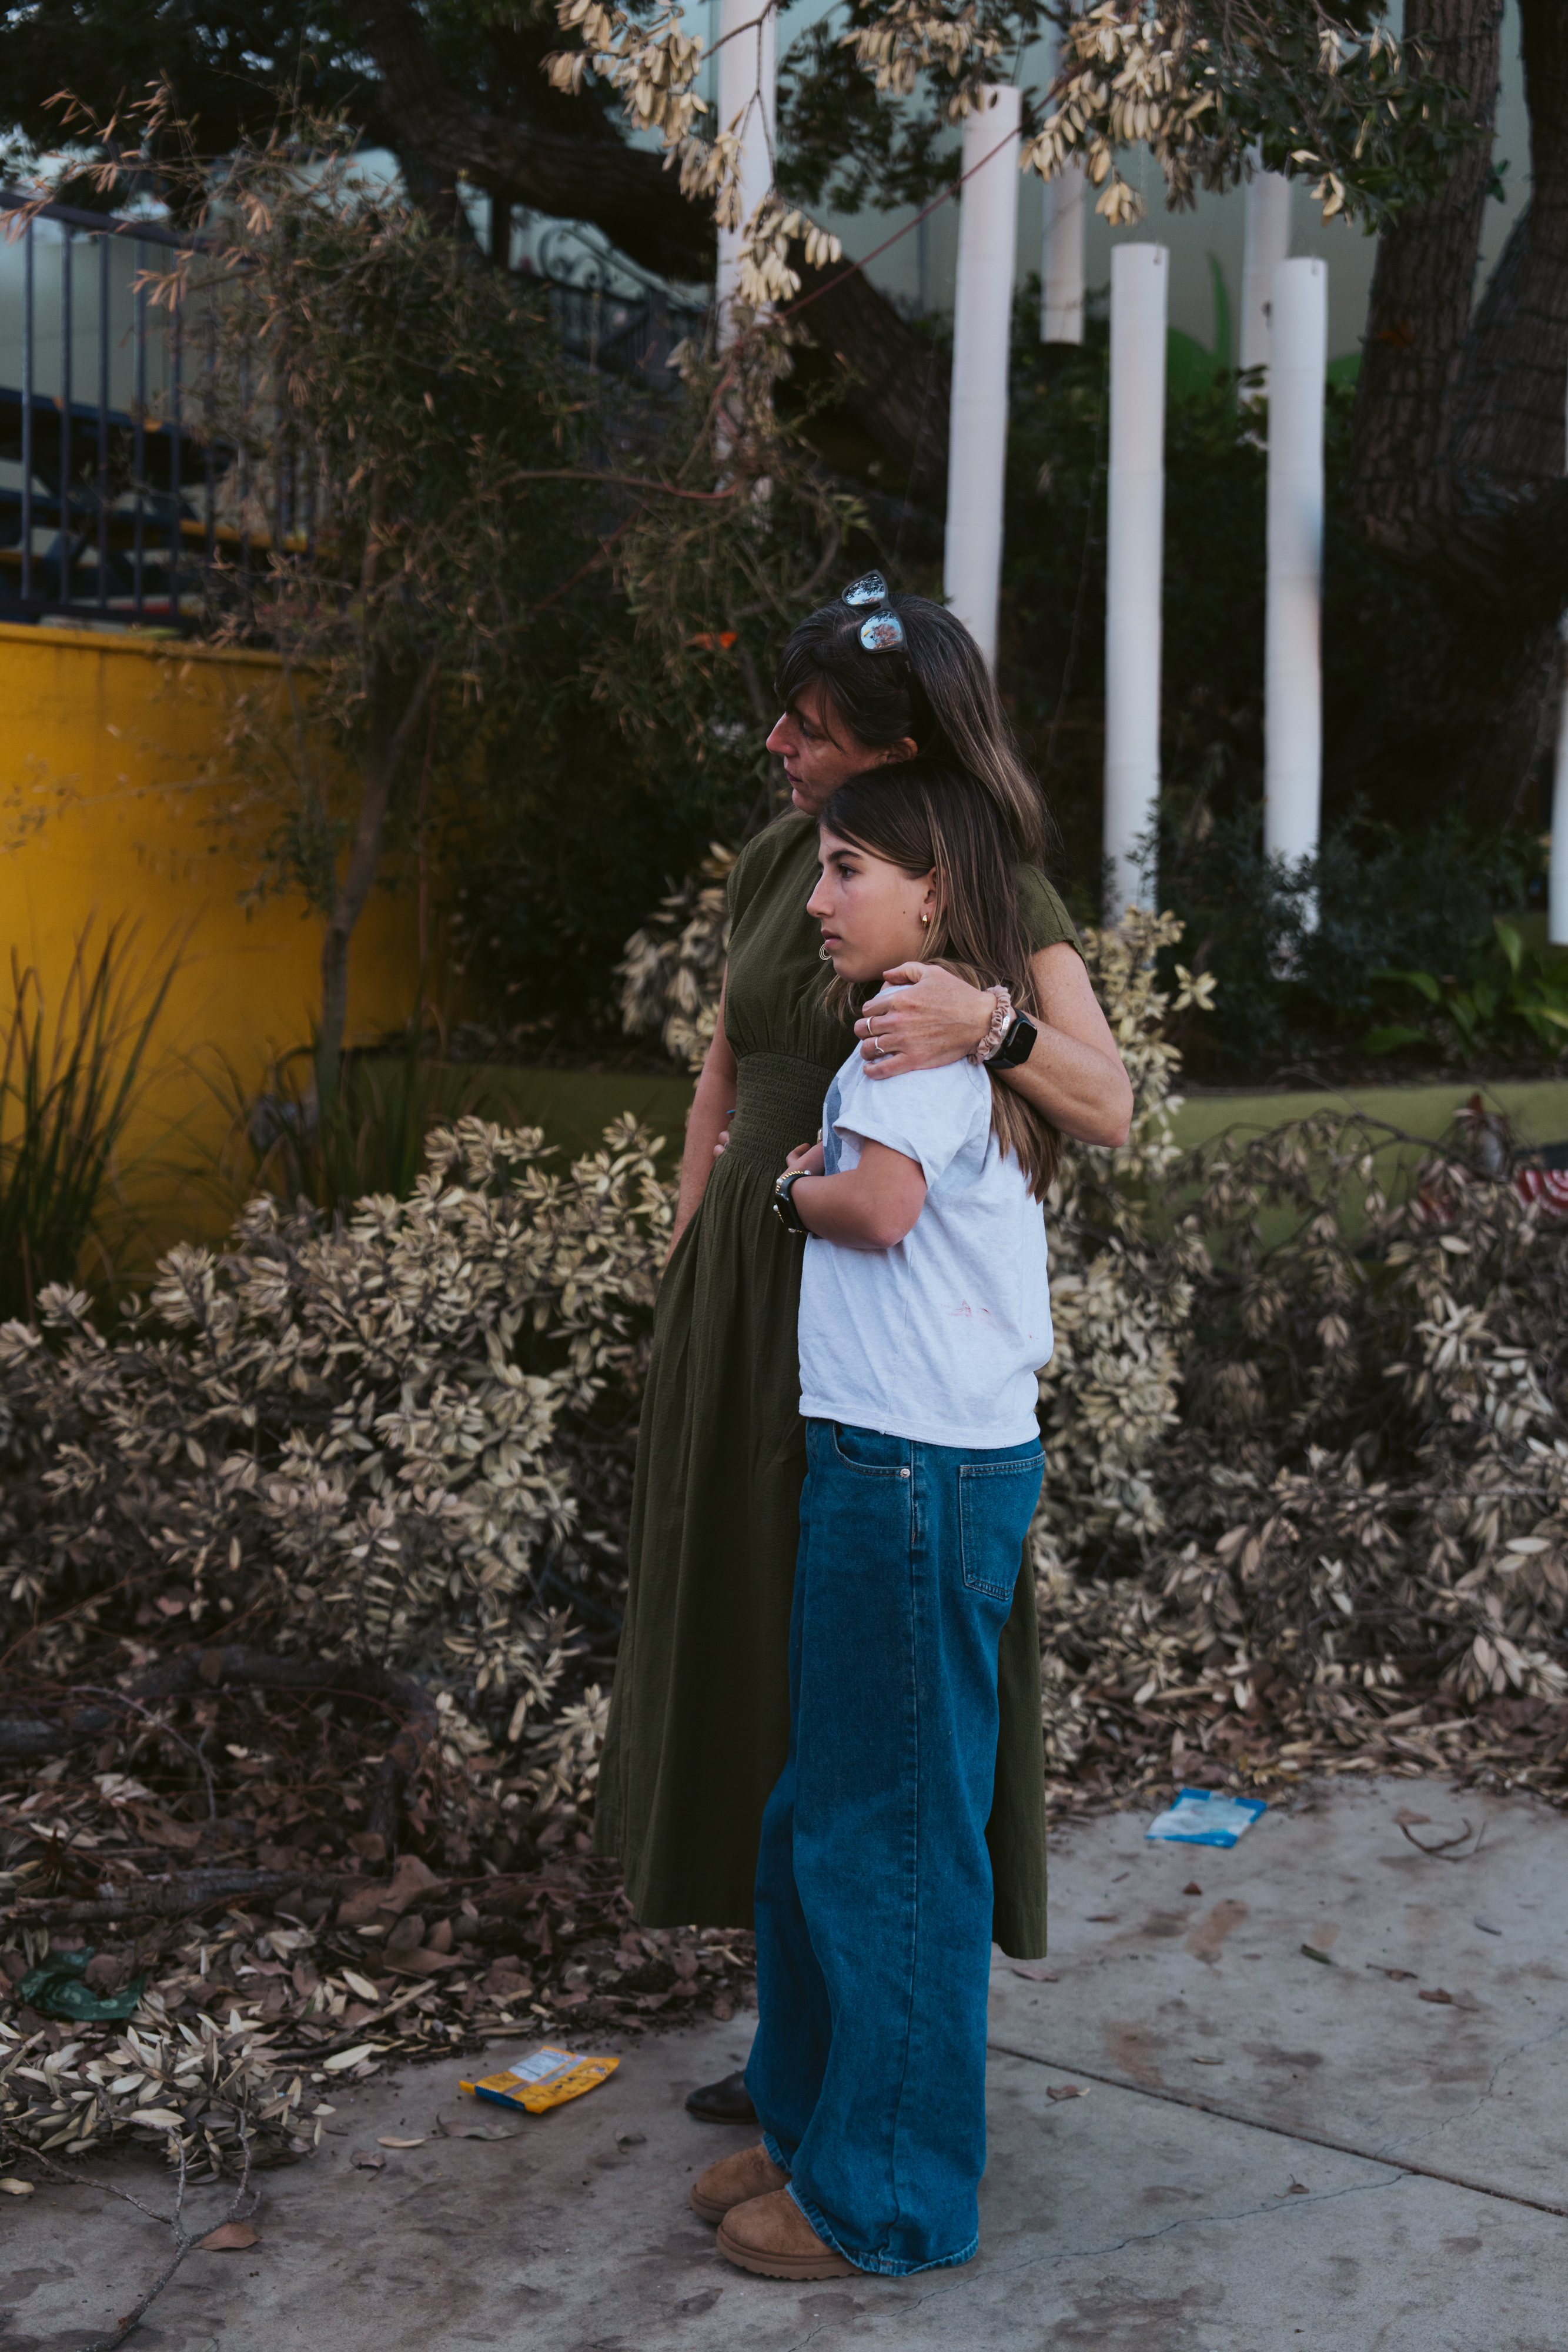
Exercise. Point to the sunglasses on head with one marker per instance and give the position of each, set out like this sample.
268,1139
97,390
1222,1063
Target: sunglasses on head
882,632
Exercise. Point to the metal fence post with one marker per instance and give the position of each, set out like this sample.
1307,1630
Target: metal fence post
27,412
103,425
139,436
63,543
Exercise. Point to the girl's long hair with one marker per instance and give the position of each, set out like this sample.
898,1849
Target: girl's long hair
919,816
935,689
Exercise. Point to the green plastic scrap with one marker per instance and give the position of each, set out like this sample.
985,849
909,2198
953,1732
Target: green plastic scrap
55,1989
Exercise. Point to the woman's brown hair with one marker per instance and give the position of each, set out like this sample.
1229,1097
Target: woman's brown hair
921,816
935,689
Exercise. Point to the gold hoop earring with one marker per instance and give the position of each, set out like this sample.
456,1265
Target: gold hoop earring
925,923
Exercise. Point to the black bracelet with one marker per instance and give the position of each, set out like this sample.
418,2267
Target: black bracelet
1017,1045
784,1208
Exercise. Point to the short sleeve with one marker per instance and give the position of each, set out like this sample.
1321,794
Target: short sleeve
1045,920
927,1115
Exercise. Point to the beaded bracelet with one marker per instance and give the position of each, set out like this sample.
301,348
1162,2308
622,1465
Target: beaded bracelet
1001,1019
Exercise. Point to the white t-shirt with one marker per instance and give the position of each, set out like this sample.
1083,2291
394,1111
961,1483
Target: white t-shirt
938,1338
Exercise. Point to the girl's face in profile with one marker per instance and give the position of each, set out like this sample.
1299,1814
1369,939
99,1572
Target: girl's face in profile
870,909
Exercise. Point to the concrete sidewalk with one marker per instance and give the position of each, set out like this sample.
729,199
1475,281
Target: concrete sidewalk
1275,2150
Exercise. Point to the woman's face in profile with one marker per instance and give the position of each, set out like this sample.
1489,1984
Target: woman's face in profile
820,753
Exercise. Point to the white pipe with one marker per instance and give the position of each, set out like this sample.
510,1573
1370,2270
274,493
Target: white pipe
1140,276
747,89
1293,721
1061,269
1062,253
1557,859
1557,868
1265,242
976,454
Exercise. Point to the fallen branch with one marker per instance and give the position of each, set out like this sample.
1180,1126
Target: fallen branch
222,1667
183,2238
181,1896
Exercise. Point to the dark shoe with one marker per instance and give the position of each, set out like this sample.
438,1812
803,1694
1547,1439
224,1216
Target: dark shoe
729,2102
772,2236
735,2180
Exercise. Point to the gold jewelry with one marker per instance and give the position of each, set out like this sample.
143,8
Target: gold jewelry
926,921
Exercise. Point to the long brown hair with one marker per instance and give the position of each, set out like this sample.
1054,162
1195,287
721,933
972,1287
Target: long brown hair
935,689
919,816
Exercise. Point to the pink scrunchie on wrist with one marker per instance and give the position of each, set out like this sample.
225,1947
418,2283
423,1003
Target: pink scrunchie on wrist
999,1028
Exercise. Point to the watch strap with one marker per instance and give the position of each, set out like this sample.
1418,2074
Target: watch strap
1017,1045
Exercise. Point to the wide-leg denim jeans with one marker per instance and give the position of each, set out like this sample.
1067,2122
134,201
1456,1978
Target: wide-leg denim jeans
874,1884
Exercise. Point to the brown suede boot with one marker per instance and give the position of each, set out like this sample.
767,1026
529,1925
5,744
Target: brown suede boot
734,2180
772,2236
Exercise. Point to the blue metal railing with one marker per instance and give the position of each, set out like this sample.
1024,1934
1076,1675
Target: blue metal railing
118,492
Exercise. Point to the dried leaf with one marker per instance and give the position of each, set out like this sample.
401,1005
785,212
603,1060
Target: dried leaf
341,2059
229,2238
1066,2091
12,2187
389,2139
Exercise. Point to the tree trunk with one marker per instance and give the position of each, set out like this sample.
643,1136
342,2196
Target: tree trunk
1456,477
389,730
1419,313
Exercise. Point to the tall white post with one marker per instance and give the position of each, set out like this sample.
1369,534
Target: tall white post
1557,868
1061,255
1061,269
1557,862
1293,721
747,87
1140,276
976,453
1265,242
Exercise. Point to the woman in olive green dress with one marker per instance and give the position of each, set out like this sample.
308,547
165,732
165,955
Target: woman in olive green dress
699,1717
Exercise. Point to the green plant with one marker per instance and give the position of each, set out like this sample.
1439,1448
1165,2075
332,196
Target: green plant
1300,943
368,1139
70,1084
1505,988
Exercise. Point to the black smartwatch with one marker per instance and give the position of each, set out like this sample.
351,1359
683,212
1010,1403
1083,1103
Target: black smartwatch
1017,1045
784,1208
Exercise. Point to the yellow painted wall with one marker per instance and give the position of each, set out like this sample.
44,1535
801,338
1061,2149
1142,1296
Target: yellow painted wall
103,740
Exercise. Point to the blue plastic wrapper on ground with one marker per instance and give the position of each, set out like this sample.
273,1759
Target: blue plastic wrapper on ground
1205,1817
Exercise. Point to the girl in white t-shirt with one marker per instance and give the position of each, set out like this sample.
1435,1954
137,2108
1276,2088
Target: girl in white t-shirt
925,1317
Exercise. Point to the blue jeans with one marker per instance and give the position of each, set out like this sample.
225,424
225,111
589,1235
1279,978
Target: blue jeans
874,1884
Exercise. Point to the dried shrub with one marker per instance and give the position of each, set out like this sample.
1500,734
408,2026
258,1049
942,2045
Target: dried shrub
672,969
401,1437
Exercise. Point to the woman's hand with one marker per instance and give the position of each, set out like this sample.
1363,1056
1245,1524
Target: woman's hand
806,1160
936,1018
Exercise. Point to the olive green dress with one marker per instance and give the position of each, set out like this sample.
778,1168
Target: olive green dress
699,1720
